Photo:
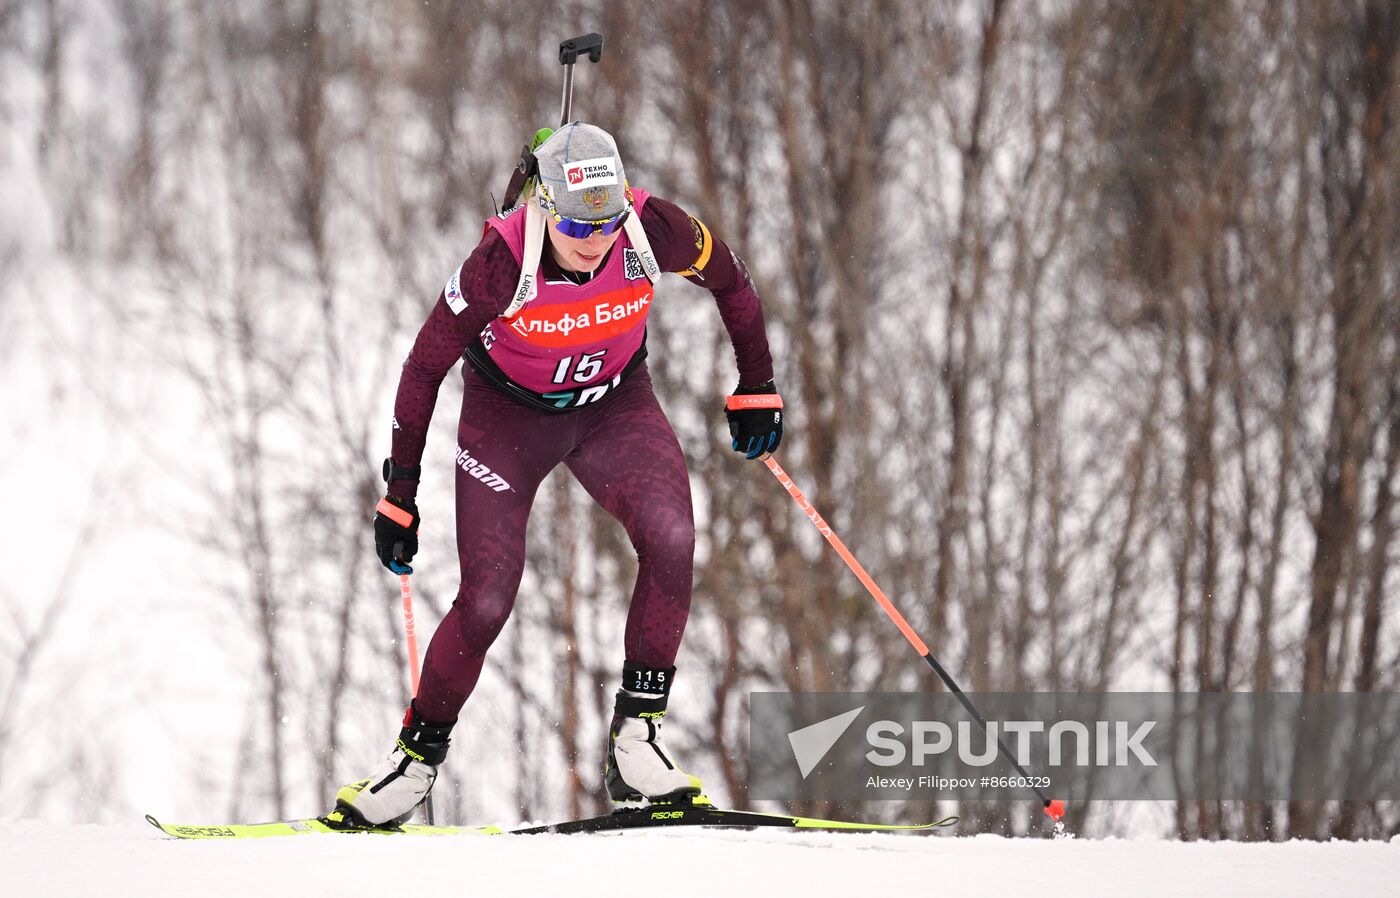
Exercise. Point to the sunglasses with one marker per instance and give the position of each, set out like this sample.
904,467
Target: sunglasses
572,227
581,229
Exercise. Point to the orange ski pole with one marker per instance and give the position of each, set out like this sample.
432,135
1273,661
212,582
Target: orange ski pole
1055,809
409,631
411,635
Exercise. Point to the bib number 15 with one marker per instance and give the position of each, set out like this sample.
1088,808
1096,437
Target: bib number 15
588,367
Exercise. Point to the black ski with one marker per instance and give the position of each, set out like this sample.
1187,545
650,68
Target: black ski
705,815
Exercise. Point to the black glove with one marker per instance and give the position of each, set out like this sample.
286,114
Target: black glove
755,419
396,533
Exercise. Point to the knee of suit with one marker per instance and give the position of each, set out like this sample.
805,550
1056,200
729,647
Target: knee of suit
672,541
481,615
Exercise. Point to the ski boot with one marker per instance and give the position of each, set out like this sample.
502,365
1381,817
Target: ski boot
401,782
639,771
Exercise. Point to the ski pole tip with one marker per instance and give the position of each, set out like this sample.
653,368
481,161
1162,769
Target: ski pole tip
1055,809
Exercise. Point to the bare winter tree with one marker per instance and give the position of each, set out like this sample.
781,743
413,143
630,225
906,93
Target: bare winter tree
1085,313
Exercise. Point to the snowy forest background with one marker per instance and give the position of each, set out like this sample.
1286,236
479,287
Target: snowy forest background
1086,315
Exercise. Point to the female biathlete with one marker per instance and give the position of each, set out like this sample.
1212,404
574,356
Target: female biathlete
550,313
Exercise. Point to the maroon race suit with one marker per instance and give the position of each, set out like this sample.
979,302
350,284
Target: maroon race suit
620,448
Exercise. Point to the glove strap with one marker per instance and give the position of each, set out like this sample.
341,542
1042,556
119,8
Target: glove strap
739,402
401,516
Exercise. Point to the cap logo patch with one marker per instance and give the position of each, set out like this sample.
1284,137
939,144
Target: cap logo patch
596,198
590,172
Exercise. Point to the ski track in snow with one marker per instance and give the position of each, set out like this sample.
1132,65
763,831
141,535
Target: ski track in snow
41,859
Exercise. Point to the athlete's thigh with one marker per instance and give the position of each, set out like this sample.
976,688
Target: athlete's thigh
504,451
629,461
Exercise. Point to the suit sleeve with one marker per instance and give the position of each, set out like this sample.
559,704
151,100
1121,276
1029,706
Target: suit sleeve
473,296
685,246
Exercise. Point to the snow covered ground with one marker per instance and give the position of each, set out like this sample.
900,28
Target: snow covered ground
40,859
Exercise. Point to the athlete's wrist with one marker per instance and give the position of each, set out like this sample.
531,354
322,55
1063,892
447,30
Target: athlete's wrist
756,389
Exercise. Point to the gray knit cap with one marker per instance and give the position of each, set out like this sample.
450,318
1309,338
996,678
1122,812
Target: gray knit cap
580,166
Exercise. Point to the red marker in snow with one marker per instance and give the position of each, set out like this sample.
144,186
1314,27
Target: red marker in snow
1055,809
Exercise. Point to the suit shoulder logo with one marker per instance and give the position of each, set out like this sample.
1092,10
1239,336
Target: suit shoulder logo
452,293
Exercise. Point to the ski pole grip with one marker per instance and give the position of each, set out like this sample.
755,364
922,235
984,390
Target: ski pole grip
571,49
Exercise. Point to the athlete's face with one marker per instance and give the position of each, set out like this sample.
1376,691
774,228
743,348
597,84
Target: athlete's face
575,254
